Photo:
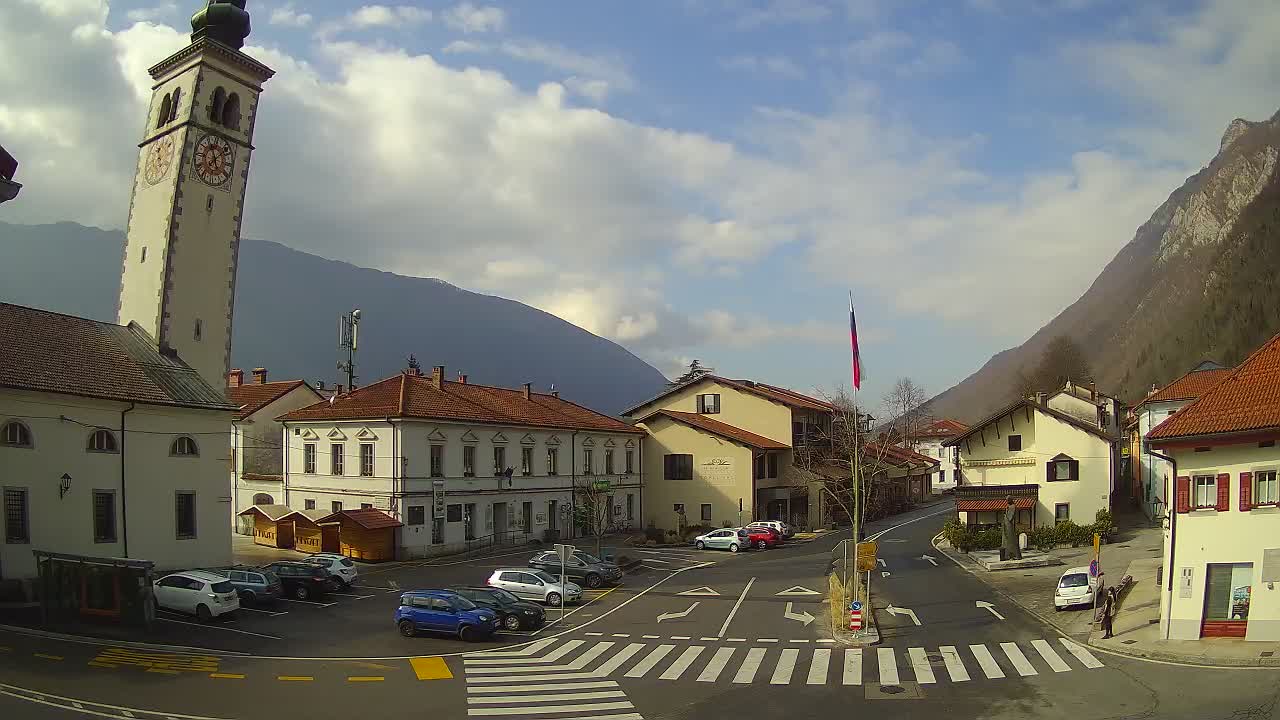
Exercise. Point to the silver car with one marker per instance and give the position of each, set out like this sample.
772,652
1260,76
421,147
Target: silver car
532,584
731,539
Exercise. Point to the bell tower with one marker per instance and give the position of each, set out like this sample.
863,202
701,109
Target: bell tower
179,276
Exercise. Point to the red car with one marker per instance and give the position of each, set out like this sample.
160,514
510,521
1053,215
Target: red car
763,537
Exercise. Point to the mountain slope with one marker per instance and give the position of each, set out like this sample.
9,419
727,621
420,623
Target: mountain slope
1198,280
287,308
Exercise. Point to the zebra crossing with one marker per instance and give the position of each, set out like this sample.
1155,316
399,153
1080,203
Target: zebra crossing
510,684
587,667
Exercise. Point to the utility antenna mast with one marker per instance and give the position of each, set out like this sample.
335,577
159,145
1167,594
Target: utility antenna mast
348,340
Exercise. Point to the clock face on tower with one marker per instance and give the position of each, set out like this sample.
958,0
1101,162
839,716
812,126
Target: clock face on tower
213,160
159,158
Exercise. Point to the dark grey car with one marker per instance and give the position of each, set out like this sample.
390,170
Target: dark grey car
592,571
253,585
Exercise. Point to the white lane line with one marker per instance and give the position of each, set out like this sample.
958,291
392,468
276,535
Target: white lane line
621,635
682,663
955,667
530,649
543,687
786,665
709,638
656,560
681,637
768,640
1020,661
264,612
747,671
1085,657
1051,658
725,627
736,640
986,661
799,641
818,667
852,666
218,627
350,595
547,659
594,634
644,666
713,669
888,665
307,602
548,709
651,637
920,665
616,661
546,677
825,640
561,697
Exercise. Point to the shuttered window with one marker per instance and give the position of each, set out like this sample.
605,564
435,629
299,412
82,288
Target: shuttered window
16,529
1204,489
184,512
104,516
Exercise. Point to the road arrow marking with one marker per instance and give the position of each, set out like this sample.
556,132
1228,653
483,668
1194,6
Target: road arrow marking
885,573
903,611
930,559
668,616
881,561
990,608
802,616
702,591
798,590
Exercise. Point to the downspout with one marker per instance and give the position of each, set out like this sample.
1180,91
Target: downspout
640,474
284,448
573,483
1173,537
124,504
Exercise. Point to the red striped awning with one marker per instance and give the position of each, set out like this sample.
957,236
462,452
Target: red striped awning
994,504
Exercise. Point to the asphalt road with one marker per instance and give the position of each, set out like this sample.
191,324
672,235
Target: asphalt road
691,635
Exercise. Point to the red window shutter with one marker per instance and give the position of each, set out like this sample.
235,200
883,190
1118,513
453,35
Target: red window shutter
1224,492
1182,494
1246,491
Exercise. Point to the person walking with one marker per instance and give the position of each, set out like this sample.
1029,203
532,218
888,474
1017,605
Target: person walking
1108,612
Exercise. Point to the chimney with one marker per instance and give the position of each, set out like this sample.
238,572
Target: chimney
1093,391
528,391
338,389
555,394
260,375
1039,398
437,377
319,384
235,378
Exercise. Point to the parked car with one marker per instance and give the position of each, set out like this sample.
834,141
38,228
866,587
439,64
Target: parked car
253,585
302,580
1075,587
783,529
199,592
444,611
591,570
340,567
731,539
532,584
763,536
513,613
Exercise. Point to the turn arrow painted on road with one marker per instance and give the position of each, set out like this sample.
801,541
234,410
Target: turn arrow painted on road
903,611
930,558
670,616
990,608
802,616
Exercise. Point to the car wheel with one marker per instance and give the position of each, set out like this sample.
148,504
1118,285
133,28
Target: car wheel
511,622
593,580
700,545
202,612
1057,608
733,547
762,544
406,628
553,599
249,597
302,592
468,634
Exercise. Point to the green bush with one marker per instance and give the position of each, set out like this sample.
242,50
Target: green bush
1043,538
989,539
653,534
958,534
1072,534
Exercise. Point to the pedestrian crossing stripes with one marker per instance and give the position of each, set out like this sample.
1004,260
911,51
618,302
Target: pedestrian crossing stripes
558,667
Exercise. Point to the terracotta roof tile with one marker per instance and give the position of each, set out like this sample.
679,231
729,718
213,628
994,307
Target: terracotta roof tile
941,428
1246,399
790,398
414,396
725,430
253,397
367,518
900,456
1045,409
50,352
1190,386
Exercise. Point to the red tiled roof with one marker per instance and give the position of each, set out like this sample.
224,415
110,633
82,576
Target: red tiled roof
253,397
725,430
1025,402
50,352
994,504
414,396
902,457
367,518
1190,386
941,428
790,398
1246,399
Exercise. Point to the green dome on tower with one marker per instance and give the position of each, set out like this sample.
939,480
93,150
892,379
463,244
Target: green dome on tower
223,20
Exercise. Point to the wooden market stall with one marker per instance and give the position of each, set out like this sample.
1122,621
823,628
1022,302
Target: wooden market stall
306,533
270,525
365,534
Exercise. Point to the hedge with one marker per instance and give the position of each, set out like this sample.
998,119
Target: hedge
965,539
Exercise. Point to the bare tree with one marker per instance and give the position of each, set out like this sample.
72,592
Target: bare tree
907,412
851,437
593,511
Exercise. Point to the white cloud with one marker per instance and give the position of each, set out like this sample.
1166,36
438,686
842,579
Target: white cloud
782,12
597,67
288,16
458,47
904,54
156,12
383,16
469,18
771,64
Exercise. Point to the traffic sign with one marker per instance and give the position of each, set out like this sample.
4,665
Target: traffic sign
855,605
564,552
602,484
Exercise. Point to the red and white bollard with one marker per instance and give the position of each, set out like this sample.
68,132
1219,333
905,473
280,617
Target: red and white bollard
855,619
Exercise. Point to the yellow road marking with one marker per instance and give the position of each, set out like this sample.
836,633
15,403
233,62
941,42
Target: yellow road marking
430,668
295,678
162,671
227,676
101,665
368,678
158,661
49,657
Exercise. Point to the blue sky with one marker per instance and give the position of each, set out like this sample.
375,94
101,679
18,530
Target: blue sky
693,178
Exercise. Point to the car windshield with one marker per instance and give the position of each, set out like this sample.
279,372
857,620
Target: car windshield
502,596
346,562
223,586
544,576
590,559
271,577
462,603
1073,580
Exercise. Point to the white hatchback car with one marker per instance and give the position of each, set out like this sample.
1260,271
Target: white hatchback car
1075,587
204,594
532,584
340,567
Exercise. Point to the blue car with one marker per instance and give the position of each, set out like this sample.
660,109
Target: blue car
444,612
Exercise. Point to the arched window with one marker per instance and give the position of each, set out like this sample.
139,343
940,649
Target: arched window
102,441
15,434
263,499
231,112
165,107
173,109
215,107
184,445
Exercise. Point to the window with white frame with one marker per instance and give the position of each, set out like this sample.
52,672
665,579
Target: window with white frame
629,461
437,461
102,441
526,461
336,459
608,462
468,460
1265,489
499,460
15,434
553,461
366,459
183,445
1204,491
309,458
709,404
588,464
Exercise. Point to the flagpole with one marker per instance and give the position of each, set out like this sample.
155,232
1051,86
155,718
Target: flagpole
857,428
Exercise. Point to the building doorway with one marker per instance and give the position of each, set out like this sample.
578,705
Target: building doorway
1228,590
499,522
469,520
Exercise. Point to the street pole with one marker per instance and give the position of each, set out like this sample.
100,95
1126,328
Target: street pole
856,510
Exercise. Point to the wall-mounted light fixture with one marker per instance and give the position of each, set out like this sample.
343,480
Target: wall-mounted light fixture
65,486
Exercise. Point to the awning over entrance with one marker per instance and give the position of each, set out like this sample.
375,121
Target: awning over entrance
994,504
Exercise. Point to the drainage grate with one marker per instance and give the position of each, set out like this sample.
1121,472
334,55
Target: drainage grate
933,658
892,689
1128,642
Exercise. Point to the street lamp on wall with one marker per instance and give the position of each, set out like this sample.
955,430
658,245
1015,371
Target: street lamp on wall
65,486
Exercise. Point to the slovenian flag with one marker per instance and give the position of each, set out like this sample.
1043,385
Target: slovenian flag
853,339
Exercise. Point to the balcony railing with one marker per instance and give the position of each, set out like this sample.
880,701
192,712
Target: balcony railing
996,492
